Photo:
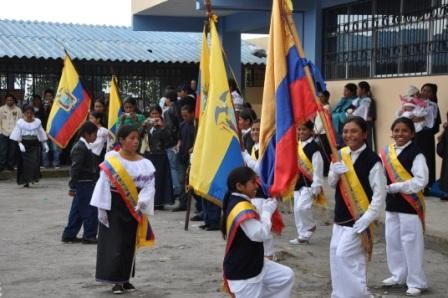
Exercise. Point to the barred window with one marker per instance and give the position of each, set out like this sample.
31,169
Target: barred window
386,38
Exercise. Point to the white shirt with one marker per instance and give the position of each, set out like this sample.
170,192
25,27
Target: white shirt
419,170
142,171
101,140
362,107
318,125
8,118
24,128
377,181
318,168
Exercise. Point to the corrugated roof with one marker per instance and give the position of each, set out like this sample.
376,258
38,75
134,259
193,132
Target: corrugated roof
32,39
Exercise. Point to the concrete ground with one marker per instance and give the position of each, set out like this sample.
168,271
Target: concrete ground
34,263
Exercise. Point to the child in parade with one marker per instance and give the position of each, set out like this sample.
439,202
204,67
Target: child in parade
309,183
31,137
83,176
103,137
367,183
247,273
124,196
407,176
251,161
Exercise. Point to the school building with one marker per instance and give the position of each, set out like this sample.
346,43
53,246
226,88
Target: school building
389,43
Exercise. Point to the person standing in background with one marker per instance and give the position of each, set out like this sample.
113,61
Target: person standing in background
54,149
342,111
319,131
9,114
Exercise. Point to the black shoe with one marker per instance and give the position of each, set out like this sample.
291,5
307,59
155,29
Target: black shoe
445,199
159,207
26,185
128,287
197,217
71,239
203,227
89,241
212,228
179,208
118,289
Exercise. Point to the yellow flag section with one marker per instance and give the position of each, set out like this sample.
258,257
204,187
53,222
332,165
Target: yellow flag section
217,149
70,107
204,75
114,105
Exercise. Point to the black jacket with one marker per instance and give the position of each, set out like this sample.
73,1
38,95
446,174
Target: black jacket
84,165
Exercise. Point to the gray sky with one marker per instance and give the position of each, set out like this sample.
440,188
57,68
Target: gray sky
97,12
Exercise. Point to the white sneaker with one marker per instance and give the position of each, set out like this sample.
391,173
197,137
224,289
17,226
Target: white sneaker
390,281
413,292
298,241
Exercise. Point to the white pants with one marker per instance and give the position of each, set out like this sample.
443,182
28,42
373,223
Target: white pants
274,281
405,249
268,244
303,213
347,264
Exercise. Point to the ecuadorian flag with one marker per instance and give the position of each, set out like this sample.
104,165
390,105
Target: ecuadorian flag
288,99
217,149
70,107
204,76
115,109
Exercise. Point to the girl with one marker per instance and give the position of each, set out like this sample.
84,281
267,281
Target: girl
124,196
342,110
154,145
407,176
365,175
246,272
309,183
83,176
104,137
130,115
29,134
366,109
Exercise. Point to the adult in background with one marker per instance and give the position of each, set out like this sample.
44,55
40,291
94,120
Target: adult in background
83,176
442,151
425,138
99,106
29,134
156,140
38,106
237,99
366,109
319,131
119,212
55,151
9,114
131,116
343,110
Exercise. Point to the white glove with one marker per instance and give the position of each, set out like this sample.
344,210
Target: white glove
270,205
393,188
361,225
22,147
140,206
338,168
102,217
45,147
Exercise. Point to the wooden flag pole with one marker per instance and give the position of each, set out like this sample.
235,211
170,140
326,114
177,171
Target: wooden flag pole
346,186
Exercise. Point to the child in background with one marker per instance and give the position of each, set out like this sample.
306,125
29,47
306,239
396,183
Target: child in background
309,183
246,272
407,176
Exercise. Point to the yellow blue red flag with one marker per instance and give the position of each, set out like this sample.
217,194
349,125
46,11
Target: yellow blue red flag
70,107
115,109
217,149
204,75
288,99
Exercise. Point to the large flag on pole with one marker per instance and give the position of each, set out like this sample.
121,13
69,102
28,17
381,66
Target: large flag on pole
115,109
217,149
70,107
204,75
288,99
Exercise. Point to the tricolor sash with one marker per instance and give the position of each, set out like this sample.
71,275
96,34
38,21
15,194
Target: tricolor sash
240,212
127,189
359,195
306,169
398,173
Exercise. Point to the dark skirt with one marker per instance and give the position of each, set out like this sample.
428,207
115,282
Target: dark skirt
28,165
426,142
163,183
116,244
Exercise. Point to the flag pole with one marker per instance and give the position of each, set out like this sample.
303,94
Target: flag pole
353,210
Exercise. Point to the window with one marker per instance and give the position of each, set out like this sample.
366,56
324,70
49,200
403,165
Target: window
384,38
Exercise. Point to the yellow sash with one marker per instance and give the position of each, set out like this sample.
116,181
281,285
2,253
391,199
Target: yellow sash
306,169
127,189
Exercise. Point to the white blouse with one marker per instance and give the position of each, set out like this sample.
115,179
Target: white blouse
101,140
24,128
142,171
